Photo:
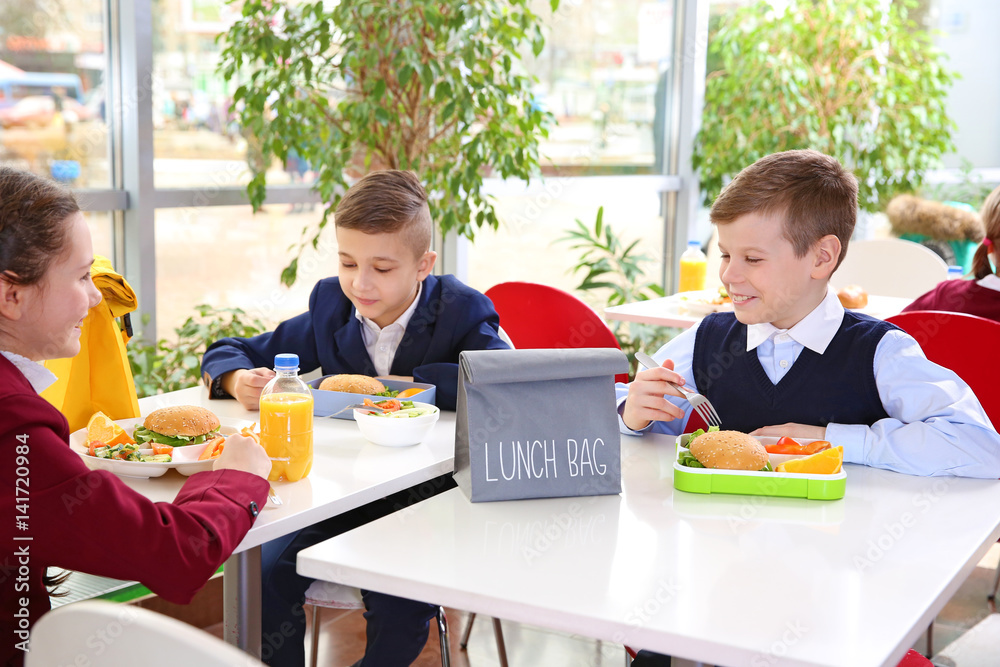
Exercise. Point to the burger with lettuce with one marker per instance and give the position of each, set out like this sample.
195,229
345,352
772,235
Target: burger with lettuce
177,425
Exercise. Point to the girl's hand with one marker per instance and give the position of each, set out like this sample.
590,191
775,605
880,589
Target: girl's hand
645,402
245,385
243,453
797,431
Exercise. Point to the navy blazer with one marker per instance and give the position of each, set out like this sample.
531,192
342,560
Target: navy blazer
450,317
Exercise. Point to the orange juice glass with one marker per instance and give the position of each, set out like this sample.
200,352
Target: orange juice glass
693,273
286,432
286,421
694,265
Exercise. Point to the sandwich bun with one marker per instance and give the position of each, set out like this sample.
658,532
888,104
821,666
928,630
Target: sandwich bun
729,450
181,420
853,296
352,384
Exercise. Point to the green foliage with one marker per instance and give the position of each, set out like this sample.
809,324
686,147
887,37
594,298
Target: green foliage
429,85
169,365
849,78
615,270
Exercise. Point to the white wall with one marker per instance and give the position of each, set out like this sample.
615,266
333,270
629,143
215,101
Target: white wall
970,35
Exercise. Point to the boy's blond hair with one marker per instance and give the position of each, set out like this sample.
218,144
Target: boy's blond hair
814,192
388,202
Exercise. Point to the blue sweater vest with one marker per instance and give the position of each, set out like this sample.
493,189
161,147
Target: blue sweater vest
836,386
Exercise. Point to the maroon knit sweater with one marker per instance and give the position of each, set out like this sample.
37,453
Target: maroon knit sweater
960,296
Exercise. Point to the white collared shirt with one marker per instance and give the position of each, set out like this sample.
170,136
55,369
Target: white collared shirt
990,281
383,343
778,349
935,426
40,377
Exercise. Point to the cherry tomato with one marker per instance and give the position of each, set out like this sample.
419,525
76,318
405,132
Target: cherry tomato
785,445
785,441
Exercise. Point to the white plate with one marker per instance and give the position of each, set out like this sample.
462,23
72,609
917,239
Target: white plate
185,458
699,302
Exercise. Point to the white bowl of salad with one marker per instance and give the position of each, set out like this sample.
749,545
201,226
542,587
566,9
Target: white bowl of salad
403,423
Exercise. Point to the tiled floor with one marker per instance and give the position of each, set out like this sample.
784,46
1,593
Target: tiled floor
342,636
342,642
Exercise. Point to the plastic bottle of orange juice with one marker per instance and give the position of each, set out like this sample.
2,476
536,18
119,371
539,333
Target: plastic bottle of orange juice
286,421
693,267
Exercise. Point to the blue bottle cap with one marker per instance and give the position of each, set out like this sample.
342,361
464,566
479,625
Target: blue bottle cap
695,243
286,362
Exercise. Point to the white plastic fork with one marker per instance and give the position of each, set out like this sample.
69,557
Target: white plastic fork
359,406
701,405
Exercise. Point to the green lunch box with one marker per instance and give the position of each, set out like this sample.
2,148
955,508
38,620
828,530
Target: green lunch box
751,483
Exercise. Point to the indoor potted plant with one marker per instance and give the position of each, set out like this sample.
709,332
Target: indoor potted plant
855,79
429,85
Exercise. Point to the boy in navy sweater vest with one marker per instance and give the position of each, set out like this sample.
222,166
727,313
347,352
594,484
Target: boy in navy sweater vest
790,360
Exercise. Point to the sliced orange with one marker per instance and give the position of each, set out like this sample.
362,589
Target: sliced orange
100,427
827,462
406,393
213,449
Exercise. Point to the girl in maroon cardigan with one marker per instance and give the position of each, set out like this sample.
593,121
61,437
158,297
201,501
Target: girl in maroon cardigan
53,510
980,296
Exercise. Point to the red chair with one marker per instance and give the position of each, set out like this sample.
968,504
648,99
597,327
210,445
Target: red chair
540,317
959,342
914,659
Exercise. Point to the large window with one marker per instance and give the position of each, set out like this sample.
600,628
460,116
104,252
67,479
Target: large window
604,67
527,245
598,74
123,99
226,256
101,233
53,67
196,140
602,72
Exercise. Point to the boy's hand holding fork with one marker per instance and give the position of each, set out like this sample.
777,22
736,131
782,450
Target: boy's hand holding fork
645,402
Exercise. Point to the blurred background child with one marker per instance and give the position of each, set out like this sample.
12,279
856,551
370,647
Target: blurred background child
981,295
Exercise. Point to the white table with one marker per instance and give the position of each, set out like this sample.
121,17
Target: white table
347,472
726,580
668,311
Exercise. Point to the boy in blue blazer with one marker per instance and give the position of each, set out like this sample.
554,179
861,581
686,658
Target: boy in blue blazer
384,315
